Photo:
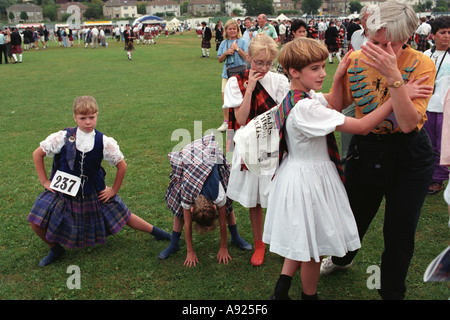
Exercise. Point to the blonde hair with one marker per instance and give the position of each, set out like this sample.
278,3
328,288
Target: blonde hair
397,17
85,105
301,52
262,42
229,23
204,214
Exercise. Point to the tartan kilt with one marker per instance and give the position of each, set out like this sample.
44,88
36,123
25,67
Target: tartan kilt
422,44
206,43
76,222
16,49
321,35
333,47
129,46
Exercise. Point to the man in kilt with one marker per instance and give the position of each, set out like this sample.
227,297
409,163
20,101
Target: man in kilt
331,41
16,45
206,40
128,36
422,34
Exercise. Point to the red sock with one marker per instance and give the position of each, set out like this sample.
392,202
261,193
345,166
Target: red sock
258,255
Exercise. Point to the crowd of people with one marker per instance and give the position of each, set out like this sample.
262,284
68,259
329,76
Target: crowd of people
338,36
90,36
317,205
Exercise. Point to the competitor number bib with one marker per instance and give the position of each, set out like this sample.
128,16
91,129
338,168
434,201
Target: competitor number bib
65,183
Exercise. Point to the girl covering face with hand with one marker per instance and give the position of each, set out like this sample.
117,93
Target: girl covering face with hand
246,96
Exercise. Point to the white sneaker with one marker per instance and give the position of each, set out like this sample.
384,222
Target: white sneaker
327,266
223,127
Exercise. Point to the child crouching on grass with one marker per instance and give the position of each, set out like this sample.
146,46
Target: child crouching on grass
93,210
197,193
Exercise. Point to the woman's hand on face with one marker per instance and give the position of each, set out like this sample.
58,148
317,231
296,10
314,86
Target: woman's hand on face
253,77
385,61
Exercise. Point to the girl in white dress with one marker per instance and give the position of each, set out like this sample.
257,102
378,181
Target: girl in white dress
308,214
248,95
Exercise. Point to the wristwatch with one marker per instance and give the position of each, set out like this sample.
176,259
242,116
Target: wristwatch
396,84
237,49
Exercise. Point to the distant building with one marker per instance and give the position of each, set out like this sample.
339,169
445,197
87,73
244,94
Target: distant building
283,5
203,6
166,7
230,5
113,9
62,9
33,11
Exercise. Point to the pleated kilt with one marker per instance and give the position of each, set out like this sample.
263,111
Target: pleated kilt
206,43
16,49
422,44
321,35
333,47
76,222
129,46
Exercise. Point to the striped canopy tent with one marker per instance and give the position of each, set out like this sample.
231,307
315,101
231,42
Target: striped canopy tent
148,20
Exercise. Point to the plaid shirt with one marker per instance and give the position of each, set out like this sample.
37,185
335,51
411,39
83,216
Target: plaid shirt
190,168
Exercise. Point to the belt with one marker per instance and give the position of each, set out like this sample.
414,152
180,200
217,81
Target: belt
392,137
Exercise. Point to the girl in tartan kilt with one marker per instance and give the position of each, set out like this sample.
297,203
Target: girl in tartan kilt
95,211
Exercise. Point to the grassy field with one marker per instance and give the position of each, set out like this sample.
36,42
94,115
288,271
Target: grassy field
146,104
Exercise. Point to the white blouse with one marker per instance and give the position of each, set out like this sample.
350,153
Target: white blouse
276,85
53,144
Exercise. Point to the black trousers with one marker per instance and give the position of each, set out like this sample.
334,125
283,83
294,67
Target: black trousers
398,167
4,53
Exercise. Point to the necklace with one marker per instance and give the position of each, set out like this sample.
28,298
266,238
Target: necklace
436,57
435,61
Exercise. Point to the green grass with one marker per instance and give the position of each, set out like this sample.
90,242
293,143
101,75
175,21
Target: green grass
142,102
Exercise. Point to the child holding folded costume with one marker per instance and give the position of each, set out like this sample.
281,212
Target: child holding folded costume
248,95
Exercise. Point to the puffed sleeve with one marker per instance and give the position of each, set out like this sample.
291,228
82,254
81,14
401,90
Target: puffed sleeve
53,144
314,119
111,151
283,87
232,95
